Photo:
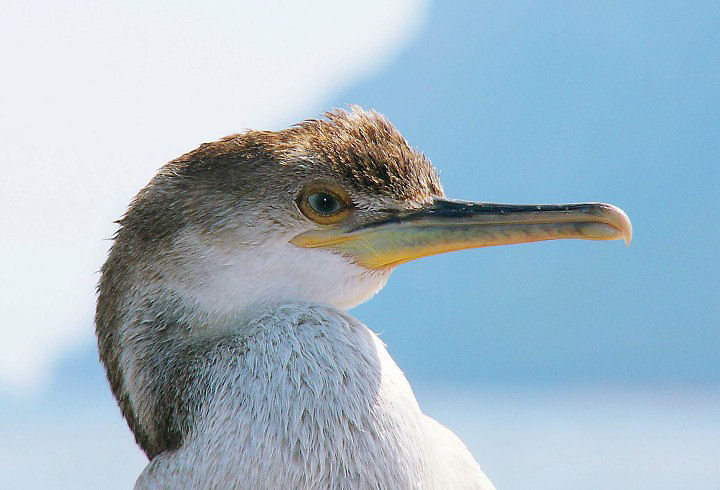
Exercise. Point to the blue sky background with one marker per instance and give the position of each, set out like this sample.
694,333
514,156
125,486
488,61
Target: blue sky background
568,364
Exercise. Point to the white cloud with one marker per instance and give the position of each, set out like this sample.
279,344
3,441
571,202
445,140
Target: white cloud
96,96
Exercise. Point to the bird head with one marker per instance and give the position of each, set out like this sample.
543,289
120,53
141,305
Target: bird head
323,212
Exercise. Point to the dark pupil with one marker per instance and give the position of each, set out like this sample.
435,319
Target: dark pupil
324,203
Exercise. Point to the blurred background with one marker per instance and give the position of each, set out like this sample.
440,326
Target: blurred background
562,365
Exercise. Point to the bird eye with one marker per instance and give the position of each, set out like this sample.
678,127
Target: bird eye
324,203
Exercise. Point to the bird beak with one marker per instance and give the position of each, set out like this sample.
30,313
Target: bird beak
448,225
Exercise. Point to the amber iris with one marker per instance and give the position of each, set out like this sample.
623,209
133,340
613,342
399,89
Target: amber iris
324,202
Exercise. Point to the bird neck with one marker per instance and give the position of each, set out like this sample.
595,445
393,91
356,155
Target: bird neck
301,392
158,310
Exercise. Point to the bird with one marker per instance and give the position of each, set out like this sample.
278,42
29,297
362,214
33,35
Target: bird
222,318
